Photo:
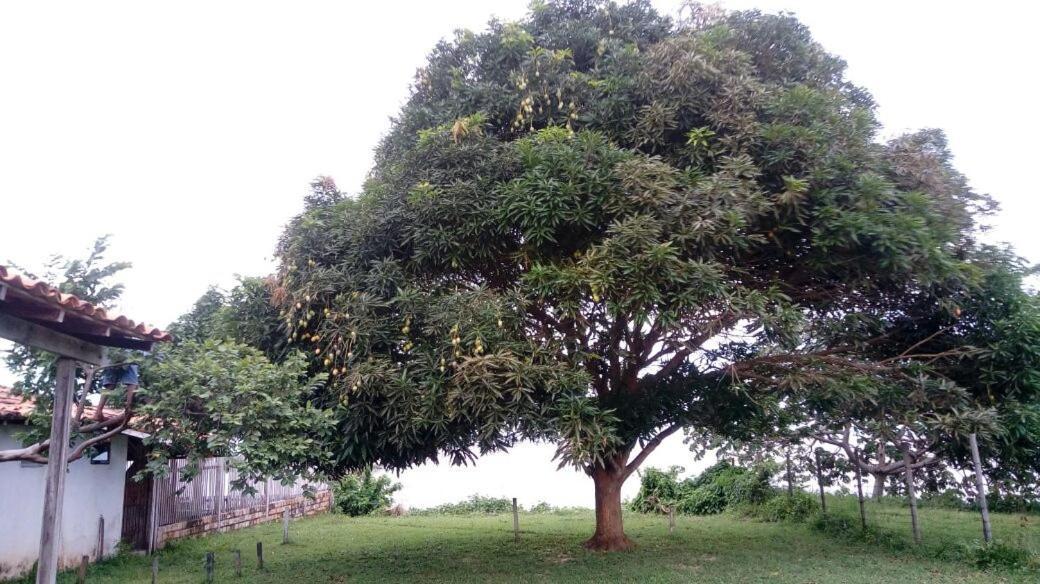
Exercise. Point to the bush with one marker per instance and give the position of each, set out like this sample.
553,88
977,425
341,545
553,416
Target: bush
851,529
474,505
364,494
713,491
706,500
999,503
543,507
659,490
948,499
998,555
797,507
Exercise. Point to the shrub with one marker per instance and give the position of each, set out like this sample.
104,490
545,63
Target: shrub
999,503
752,486
543,507
850,529
705,500
998,555
364,494
948,499
713,491
475,504
796,507
659,490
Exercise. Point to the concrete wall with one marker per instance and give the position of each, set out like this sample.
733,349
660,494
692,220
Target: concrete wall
91,491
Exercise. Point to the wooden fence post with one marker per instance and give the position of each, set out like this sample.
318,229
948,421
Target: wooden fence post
220,489
155,569
238,562
285,526
516,522
909,477
153,505
980,488
100,552
790,479
671,520
859,493
81,574
209,566
259,555
267,496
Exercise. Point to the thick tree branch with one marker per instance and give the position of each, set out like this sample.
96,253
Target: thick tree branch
29,453
879,468
649,447
110,426
83,446
715,327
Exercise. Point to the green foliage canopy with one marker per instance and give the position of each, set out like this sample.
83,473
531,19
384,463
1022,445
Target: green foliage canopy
598,223
222,398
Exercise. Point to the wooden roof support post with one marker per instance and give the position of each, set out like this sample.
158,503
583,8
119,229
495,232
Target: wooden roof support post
33,335
50,530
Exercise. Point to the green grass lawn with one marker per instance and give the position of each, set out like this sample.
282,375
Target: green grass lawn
335,548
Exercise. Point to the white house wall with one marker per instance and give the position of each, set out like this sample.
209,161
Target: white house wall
91,491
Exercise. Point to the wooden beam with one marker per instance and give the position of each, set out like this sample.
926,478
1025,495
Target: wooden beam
33,335
75,326
117,341
36,312
54,488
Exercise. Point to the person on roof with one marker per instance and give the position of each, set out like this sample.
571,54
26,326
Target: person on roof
126,374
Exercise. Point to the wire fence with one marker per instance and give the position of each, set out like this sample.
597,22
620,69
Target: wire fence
942,527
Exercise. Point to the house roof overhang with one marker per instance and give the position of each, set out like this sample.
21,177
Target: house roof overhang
41,305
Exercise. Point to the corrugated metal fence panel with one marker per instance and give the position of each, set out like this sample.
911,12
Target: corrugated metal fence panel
281,492
210,492
238,499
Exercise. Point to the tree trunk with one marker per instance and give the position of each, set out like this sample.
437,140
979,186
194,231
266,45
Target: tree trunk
859,496
610,532
819,480
980,488
909,475
879,485
879,478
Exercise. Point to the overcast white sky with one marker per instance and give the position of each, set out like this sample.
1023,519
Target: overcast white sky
189,130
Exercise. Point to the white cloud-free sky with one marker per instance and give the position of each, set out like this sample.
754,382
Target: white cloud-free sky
189,130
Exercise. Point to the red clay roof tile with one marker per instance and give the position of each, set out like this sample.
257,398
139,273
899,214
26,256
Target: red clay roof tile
71,303
17,407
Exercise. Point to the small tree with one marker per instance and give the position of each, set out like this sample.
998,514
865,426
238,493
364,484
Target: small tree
207,395
222,398
364,493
